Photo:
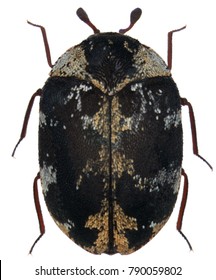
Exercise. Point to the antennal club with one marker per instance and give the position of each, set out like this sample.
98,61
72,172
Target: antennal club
135,15
84,17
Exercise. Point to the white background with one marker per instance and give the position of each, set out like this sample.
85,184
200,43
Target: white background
24,69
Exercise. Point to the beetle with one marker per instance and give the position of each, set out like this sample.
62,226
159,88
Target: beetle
110,141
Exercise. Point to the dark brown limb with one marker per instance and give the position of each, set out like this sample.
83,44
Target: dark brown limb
169,52
46,44
26,118
185,102
38,210
182,208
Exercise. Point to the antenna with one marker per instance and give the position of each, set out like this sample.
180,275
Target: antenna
84,17
134,16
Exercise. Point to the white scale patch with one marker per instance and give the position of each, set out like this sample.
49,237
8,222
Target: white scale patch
152,102
53,122
155,104
138,117
87,121
62,61
48,176
136,86
173,119
159,92
69,225
177,183
75,93
163,177
143,183
42,119
153,224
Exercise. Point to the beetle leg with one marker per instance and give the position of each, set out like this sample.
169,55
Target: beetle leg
46,44
185,102
169,51
182,207
38,210
26,118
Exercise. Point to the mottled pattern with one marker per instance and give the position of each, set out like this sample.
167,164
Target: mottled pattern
110,143
96,60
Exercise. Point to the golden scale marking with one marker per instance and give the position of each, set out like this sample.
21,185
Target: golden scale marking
100,221
120,164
